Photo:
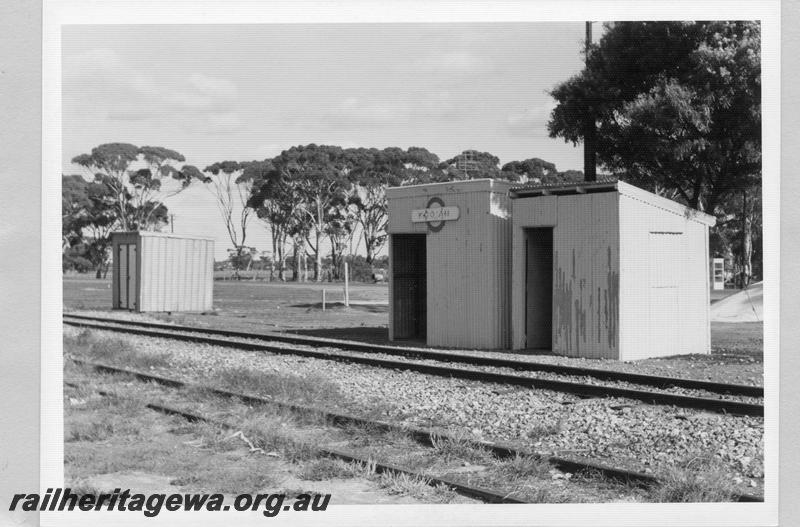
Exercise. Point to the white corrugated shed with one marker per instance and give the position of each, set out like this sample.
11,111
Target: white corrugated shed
449,280
629,272
162,272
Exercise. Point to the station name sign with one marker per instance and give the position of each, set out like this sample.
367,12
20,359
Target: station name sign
434,214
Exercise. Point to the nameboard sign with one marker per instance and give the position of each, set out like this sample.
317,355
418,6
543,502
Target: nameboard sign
434,214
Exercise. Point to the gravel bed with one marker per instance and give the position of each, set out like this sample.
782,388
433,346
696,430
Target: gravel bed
614,431
490,369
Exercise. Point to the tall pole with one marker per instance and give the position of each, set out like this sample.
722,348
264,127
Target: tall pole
589,156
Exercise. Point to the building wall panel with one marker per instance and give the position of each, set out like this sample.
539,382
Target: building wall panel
585,271
664,281
467,291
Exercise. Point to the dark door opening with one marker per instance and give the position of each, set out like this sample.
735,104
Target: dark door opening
539,288
409,286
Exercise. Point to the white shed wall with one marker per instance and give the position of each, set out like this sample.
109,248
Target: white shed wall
585,305
664,307
177,273
467,262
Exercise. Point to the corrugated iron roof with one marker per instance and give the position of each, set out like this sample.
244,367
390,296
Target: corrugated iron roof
580,187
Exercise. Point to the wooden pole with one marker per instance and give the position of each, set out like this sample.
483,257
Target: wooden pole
589,155
323,300
346,286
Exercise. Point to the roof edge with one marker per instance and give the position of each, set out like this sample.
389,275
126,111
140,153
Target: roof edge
165,235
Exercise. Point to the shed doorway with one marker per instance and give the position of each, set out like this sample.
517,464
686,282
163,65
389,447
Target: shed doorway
409,286
127,276
539,288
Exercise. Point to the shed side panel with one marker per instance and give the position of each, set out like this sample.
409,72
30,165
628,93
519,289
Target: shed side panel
500,256
664,282
146,273
179,273
209,298
586,275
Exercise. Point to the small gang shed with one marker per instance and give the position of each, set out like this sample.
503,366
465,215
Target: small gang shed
449,271
607,270
155,271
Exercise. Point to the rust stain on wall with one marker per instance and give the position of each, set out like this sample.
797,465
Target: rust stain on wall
612,312
562,304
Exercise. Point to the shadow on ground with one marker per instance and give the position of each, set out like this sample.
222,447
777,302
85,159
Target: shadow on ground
367,308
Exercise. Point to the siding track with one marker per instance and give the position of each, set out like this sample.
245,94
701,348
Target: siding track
421,435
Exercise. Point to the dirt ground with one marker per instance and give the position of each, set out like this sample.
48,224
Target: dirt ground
257,306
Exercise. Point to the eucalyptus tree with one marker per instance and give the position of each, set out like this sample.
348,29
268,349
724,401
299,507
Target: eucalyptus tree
87,220
677,107
371,172
470,164
538,171
675,103
317,176
274,201
232,187
141,178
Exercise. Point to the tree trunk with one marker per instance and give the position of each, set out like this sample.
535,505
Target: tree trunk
370,257
317,258
747,242
295,261
281,262
98,271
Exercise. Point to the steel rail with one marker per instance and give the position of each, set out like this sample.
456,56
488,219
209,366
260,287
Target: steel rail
485,495
447,356
580,389
425,436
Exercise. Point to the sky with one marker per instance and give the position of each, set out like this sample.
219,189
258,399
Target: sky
246,92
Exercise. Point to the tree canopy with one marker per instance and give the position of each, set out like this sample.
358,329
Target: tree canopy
676,106
470,164
138,177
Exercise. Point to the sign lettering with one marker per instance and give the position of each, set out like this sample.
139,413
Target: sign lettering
434,214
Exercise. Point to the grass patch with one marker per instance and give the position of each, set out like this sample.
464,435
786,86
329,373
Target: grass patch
310,389
693,481
235,479
458,447
275,434
525,467
92,431
113,351
416,487
326,469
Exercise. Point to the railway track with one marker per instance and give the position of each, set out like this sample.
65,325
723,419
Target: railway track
459,358
423,436
257,342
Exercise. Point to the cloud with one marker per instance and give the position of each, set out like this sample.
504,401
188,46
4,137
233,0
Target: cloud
353,112
99,82
213,86
529,122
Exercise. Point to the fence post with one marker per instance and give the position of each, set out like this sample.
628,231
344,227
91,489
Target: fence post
346,286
